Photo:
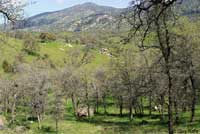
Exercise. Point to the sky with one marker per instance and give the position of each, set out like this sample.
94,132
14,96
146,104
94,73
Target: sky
39,6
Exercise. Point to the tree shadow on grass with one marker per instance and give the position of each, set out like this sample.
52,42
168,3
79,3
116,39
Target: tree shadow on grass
113,123
116,124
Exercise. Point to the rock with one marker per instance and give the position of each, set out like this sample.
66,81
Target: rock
2,122
83,112
62,49
20,129
69,45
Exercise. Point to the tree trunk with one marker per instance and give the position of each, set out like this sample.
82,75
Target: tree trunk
164,42
150,105
39,122
6,105
176,111
13,111
193,98
121,110
184,105
13,108
88,104
97,103
131,113
56,126
141,108
121,105
161,107
74,105
131,110
104,104
170,103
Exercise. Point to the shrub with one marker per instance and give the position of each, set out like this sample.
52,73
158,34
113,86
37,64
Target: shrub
47,129
31,45
45,56
45,37
7,67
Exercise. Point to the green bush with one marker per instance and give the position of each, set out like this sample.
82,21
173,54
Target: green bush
47,129
46,37
31,45
7,67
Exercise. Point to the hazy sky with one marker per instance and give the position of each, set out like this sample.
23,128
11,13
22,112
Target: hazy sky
52,5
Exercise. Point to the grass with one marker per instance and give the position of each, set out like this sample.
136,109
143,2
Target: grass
56,51
110,123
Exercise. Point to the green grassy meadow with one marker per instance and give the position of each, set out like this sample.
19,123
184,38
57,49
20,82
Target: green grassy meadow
110,123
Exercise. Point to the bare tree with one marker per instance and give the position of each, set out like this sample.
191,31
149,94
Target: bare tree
12,10
58,108
148,15
101,85
128,70
187,59
36,84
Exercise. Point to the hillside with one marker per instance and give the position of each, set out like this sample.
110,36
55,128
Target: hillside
190,8
77,18
72,72
50,54
89,16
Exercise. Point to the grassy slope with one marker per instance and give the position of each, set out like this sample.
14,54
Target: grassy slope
56,51
100,124
8,49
